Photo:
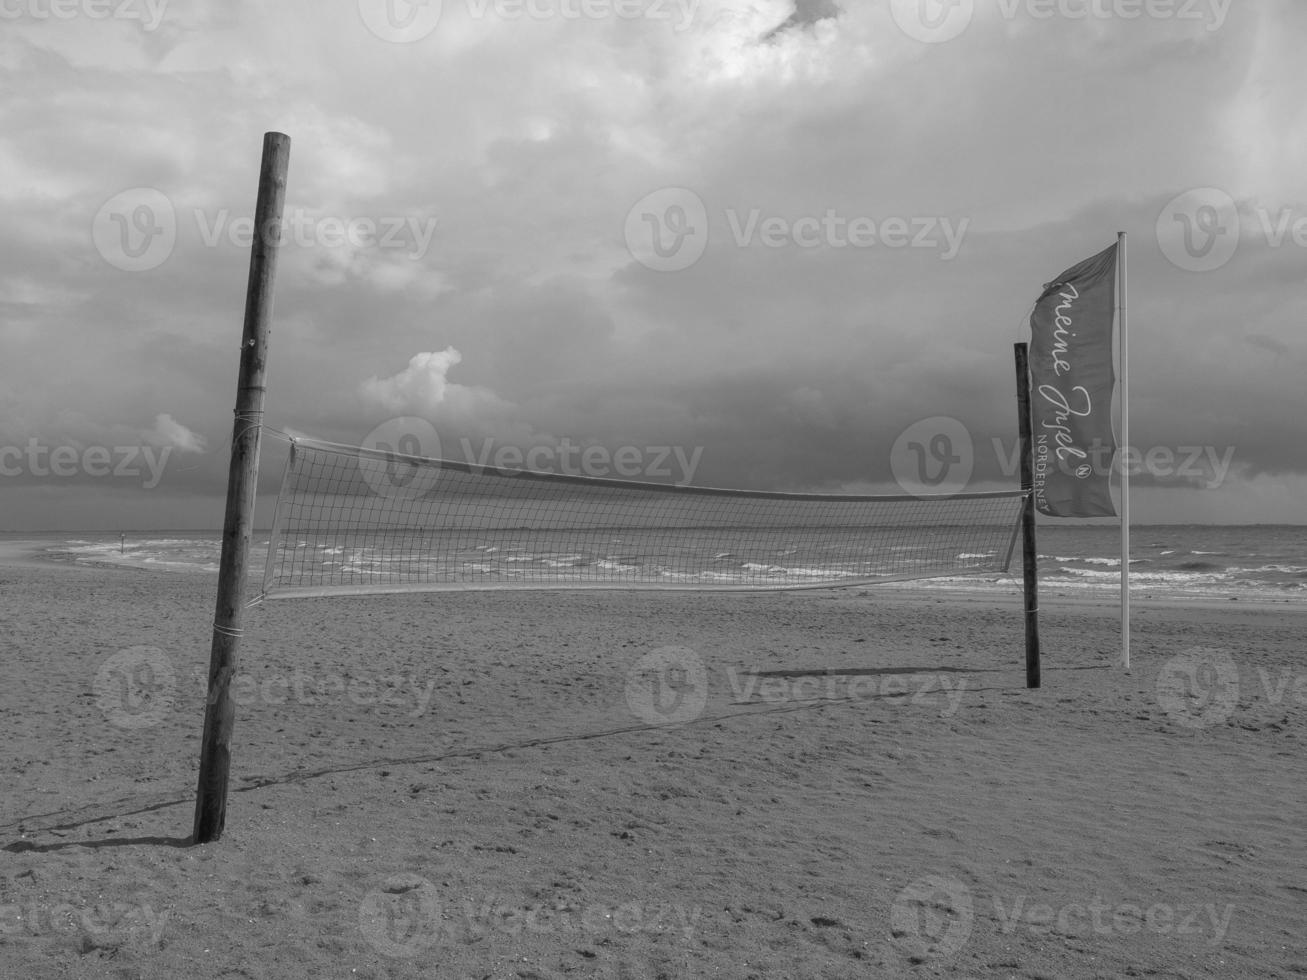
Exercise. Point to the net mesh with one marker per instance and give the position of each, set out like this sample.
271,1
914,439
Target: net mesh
353,520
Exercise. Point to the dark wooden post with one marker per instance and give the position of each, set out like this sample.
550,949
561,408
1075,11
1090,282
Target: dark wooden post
1029,556
242,483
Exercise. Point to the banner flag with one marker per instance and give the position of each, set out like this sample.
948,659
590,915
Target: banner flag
1071,381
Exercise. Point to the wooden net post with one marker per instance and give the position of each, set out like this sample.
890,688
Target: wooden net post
1029,556
242,482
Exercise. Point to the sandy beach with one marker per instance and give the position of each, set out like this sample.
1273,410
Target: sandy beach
540,785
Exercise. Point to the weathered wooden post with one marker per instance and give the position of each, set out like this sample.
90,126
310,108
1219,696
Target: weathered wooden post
242,484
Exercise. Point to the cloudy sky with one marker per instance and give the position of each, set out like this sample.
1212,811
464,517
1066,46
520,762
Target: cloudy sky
788,241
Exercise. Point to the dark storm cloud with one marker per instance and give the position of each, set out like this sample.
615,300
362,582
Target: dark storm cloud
806,13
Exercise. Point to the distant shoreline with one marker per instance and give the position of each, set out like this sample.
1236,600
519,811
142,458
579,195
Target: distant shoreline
36,554
27,554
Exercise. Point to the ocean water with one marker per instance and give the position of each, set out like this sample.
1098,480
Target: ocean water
1261,562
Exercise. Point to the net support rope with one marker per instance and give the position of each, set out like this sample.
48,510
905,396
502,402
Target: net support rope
352,520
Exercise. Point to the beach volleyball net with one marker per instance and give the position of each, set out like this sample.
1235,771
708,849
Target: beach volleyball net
352,520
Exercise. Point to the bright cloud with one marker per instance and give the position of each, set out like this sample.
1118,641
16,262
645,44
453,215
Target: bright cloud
424,389
167,431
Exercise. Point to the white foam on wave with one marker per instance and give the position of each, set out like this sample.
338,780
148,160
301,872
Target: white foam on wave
159,554
784,571
1177,578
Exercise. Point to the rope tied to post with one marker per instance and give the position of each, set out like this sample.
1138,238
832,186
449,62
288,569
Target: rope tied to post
252,418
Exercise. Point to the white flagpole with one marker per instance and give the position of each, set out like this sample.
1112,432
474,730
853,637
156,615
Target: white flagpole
1125,448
